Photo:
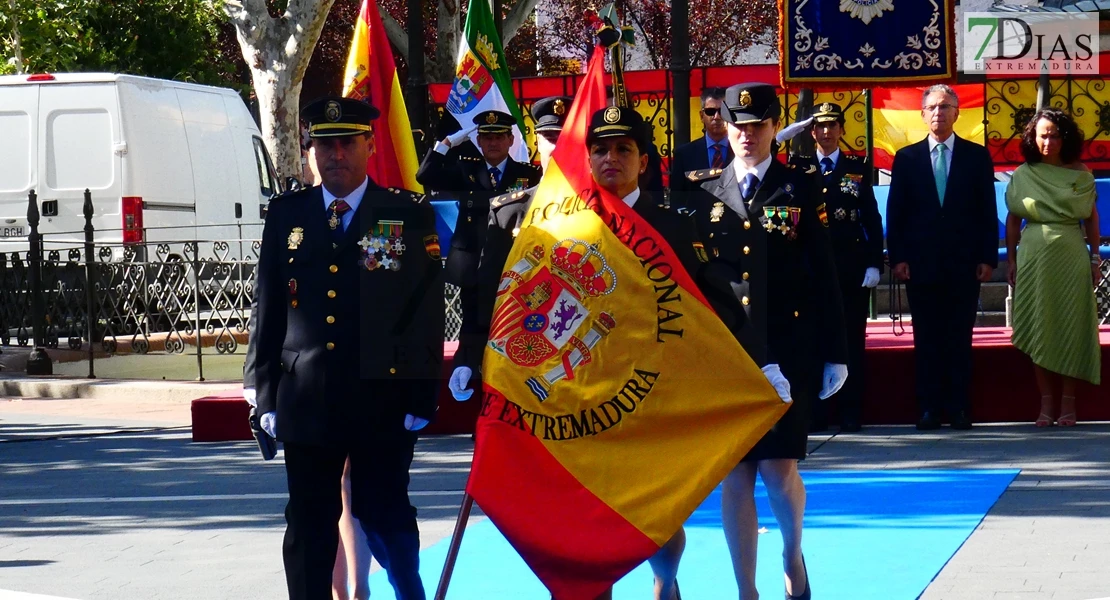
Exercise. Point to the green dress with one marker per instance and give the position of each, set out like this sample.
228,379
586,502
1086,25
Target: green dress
1055,317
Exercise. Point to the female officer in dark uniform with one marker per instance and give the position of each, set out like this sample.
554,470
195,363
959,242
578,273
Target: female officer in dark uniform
758,218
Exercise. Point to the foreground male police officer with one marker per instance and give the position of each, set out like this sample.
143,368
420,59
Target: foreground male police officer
506,217
856,229
350,343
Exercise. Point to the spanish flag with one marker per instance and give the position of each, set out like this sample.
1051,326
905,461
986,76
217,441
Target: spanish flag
897,118
371,75
616,400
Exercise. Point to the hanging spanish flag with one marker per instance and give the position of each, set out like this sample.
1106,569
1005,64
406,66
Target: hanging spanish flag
616,400
896,114
371,75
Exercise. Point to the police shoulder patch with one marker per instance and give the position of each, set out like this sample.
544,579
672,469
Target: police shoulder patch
703,174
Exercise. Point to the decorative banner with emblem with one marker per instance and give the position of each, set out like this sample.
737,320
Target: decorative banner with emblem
615,399
845,44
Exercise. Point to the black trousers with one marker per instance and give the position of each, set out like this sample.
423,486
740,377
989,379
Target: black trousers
857,302
943,321
379,499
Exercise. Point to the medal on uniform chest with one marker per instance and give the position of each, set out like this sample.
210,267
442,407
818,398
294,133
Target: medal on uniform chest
333,220
296,237
383,246
795,216
839,214
769,218
784,214
850,184
717,212
293,293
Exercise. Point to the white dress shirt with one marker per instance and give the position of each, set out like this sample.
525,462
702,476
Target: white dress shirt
353,200
631,198
949,143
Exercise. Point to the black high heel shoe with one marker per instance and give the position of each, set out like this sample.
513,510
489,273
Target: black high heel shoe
805,594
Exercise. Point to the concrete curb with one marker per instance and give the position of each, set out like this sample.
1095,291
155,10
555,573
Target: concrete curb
112,389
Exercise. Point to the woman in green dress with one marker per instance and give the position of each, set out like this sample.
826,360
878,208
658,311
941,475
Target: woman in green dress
1053,269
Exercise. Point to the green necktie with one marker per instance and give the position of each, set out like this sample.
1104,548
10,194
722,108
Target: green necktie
940,172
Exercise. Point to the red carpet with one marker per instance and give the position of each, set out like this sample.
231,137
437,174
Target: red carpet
1002,389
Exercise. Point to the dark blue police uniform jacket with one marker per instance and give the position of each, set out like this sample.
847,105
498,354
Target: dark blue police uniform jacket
349,336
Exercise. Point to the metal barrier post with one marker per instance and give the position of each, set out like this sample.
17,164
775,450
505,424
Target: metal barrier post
38,363
196,297
90,271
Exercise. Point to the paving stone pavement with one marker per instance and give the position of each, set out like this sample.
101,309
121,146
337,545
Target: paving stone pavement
111,500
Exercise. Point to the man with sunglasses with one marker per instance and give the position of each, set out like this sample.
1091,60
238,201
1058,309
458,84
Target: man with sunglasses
708,152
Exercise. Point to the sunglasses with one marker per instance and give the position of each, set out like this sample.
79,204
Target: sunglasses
711,112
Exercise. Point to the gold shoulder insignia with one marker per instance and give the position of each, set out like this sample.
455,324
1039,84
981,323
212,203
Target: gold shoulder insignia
507,199
703,174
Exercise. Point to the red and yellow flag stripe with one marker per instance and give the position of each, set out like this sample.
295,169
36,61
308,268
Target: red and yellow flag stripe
616,400
371,75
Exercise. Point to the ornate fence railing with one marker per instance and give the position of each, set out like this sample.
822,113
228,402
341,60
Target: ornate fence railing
188,296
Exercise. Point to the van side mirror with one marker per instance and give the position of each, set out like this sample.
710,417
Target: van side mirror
238,210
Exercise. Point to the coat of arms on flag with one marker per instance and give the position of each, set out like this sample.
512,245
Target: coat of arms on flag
544,314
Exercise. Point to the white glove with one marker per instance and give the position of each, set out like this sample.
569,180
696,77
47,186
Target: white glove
460,136
833,379
414,423
871,277
457,384
249,395
778,381
268,422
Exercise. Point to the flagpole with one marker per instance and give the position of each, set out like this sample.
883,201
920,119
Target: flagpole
453,549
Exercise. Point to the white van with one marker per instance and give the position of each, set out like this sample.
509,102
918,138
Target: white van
164,161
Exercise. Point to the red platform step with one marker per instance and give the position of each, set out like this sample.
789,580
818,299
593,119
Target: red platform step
221,418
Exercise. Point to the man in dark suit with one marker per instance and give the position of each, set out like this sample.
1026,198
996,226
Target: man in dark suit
710,151
942,236
856,229
474,181
506,217
349,344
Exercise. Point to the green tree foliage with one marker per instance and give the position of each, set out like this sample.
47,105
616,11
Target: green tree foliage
170,39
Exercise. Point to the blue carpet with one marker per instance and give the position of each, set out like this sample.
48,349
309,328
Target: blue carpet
868,534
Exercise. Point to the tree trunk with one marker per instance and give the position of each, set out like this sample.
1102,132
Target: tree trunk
17,41
448,34
277,51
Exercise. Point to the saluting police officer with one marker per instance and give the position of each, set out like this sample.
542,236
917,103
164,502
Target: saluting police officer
475,181
856,230
758,218
350,343
506,216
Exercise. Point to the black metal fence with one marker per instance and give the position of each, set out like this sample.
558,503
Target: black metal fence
172,297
